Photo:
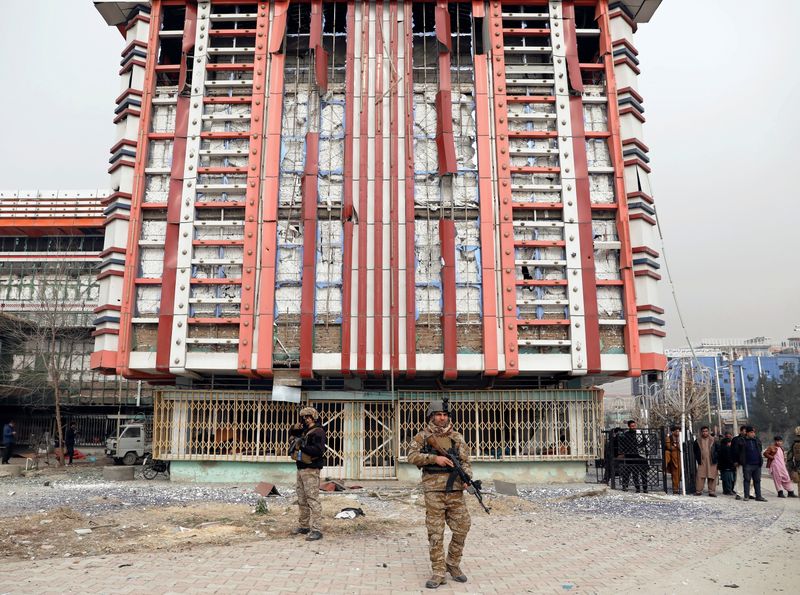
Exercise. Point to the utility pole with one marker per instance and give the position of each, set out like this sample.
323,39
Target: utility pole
683,427
733,390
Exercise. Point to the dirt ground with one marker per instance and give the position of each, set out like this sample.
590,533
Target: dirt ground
45,514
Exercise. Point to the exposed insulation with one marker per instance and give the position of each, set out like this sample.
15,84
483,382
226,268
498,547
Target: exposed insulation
428,251
595,117
151,262
157,188
605,230
601,188
609,302
425,155
148,300
597,153
425,111
464,190
160,153
606,263
153,231
163,118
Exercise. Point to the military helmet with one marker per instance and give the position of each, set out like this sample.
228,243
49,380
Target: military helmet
435,407
309,411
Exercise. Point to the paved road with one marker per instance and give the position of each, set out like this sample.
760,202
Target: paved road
608,544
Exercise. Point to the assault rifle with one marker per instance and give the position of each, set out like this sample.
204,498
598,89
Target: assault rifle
473,487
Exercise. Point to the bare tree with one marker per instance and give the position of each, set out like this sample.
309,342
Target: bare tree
45,329
684,392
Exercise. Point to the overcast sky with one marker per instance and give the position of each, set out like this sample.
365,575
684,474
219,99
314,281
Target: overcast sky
722,100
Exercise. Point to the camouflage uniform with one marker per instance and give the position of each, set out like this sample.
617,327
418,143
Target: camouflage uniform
444,504
793,459
308,450
308,499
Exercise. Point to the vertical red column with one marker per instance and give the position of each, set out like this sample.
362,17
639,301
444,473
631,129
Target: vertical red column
444,97
269,218
508,271
486,198
411,310
363,192
309,283
167,307
347,199
582,190
247,314
315,43
623,230
447,237
377,363
394,259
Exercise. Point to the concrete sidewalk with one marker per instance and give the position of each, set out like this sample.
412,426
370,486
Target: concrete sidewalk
608,544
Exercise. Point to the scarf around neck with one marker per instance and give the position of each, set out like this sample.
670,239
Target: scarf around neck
440,431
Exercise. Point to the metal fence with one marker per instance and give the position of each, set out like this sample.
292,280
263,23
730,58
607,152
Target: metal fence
514,425
368,436
92,429
633,460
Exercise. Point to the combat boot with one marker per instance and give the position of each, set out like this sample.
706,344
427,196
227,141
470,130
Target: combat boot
301,531
434,582
457,575
314,536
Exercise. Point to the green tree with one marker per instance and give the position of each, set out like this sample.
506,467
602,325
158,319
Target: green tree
775,409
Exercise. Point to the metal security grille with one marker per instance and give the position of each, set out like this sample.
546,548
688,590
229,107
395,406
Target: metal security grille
360,438
191,425
367,438
514,425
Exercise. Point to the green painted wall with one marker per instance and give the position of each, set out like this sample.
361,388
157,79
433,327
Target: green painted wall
232,472
527,472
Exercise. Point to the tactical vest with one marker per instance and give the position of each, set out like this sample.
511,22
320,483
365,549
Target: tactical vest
295,448
447,444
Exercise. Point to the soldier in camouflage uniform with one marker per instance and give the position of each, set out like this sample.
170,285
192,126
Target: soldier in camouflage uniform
444,493
308,451
793,459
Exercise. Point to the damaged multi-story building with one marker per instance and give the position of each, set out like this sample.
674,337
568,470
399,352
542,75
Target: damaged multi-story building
371,205
51,243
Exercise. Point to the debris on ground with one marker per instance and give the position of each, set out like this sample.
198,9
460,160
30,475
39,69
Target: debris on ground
332,486
266,489
349,513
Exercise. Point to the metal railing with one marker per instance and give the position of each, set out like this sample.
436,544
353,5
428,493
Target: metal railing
366,438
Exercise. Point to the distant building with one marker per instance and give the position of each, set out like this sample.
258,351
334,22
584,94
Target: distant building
751,359
51,243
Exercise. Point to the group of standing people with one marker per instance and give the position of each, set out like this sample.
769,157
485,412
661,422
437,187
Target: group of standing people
732,457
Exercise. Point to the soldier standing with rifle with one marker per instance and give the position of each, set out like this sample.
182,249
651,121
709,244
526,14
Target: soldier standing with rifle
443,456
308,450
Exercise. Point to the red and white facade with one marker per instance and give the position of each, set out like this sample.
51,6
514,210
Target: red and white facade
378,188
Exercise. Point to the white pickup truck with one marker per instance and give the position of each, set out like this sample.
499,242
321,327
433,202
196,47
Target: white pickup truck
132,444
